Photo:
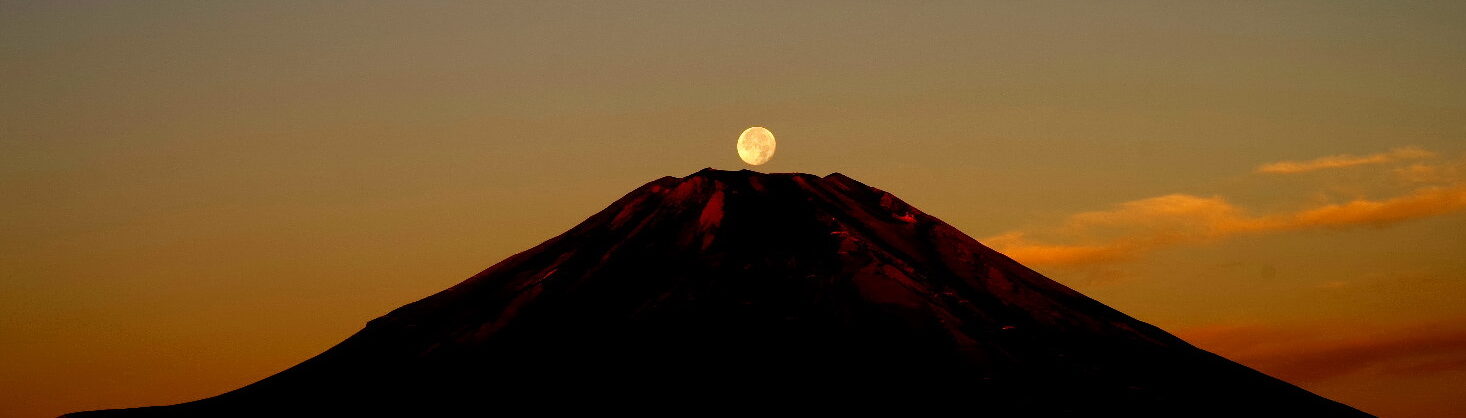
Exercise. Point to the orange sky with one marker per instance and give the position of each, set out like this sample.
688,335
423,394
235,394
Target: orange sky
199,195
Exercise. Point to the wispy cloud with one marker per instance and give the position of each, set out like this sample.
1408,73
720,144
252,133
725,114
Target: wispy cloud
1304,354
1018,247
1432,172
1134,228
1421,203
1344,160
1177,219
1144,225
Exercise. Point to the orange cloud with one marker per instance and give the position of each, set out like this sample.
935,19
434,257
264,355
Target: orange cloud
1421,203
1344,160
1419,173
1444,172
1014,245
1144,225
1301,355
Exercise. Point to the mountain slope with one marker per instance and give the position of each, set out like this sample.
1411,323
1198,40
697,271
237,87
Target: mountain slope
761,289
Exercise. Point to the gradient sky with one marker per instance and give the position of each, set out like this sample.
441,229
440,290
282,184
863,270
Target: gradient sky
196,195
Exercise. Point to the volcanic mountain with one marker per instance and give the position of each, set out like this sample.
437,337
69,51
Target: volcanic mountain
739,289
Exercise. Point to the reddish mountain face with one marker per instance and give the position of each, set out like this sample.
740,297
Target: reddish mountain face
749,290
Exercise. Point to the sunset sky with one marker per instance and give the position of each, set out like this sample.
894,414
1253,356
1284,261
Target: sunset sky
196,195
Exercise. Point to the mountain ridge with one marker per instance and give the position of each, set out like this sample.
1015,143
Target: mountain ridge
791,280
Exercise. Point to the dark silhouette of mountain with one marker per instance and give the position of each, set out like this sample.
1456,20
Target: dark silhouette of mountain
739,290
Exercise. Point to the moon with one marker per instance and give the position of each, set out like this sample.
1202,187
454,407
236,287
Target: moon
756,145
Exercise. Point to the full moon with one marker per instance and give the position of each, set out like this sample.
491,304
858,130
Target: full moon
756,145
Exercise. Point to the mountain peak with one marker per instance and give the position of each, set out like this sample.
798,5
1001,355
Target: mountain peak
709,193
741,174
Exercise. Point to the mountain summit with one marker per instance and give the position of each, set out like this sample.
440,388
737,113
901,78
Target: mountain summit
765,290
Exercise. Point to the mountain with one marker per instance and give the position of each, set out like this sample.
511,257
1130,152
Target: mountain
732,290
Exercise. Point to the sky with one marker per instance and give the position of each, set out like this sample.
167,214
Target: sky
197,195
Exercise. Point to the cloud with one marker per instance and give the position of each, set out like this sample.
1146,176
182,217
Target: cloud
1344,160
1432,173
1419,173
1308,354
1145,225
1136,227
1131,229
1421,203
1014,245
